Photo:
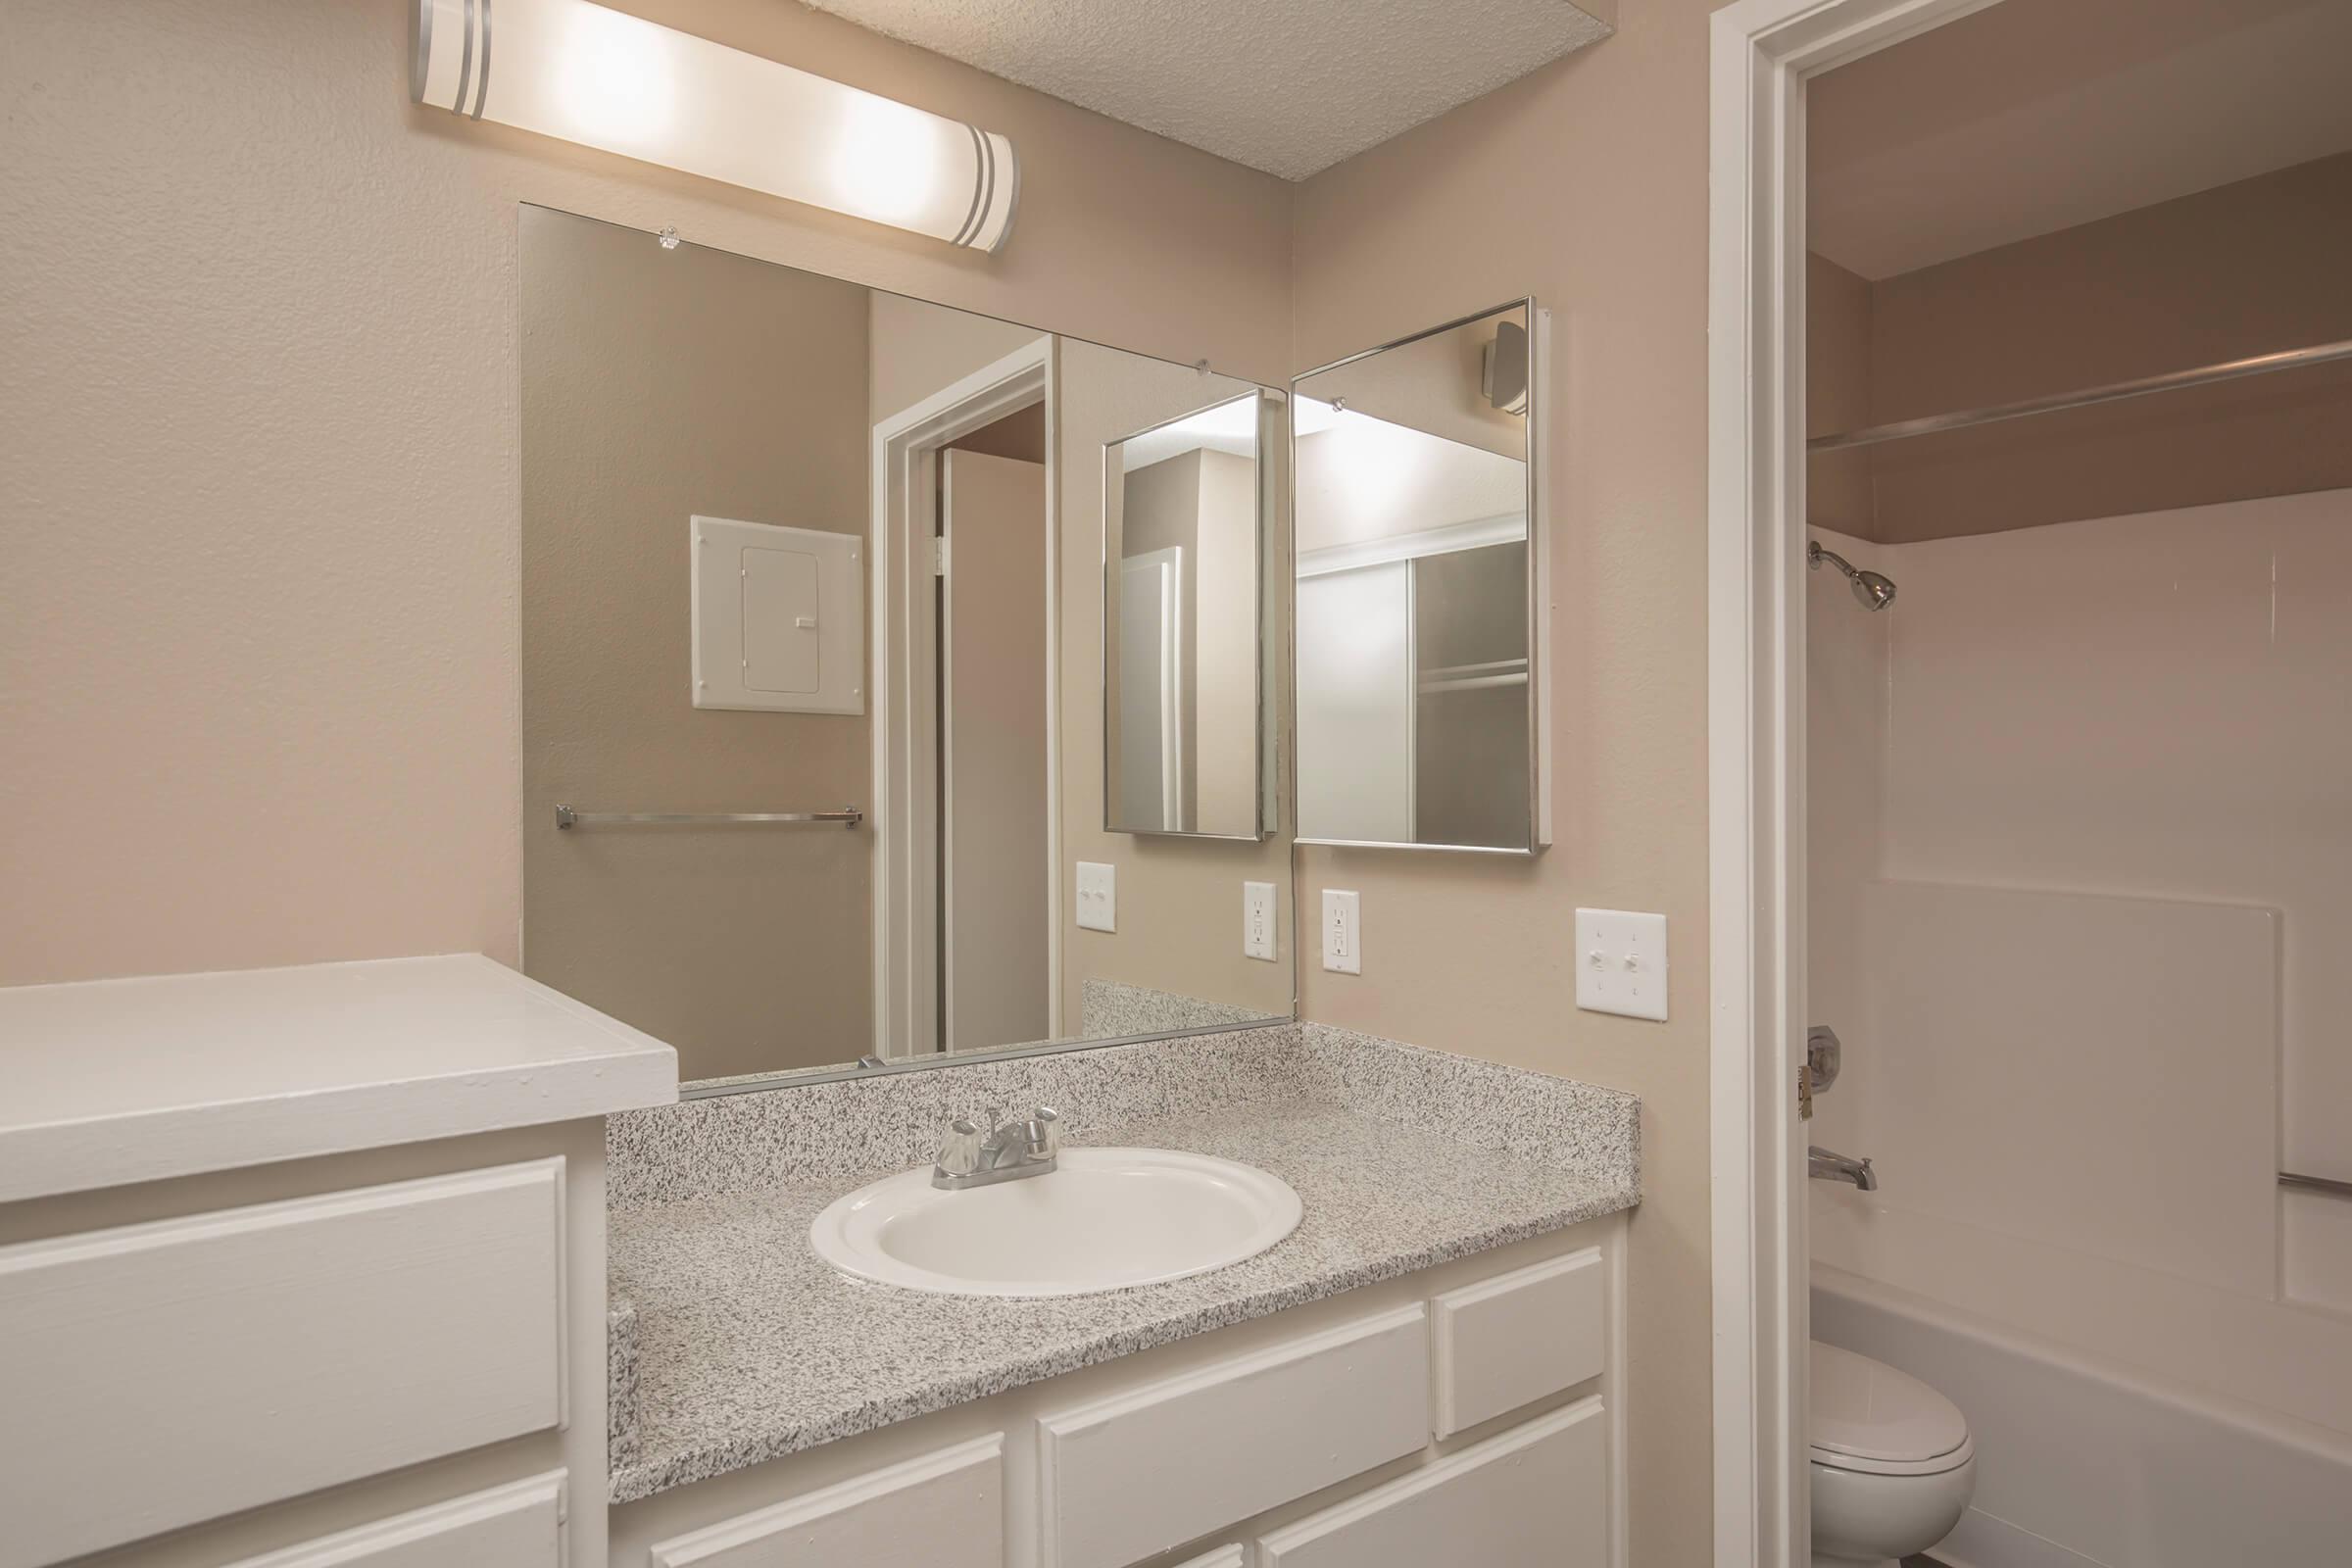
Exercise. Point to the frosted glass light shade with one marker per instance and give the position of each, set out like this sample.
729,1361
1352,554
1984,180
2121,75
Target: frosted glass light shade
606,80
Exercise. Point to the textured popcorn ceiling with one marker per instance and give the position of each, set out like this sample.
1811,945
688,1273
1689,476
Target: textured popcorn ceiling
1289,86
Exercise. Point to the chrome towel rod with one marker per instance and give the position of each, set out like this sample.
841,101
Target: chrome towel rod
2316,1184
567,817
2114,391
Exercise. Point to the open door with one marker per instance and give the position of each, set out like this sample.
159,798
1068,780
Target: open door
993,724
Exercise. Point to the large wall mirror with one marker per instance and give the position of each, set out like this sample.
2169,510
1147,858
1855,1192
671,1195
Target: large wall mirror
1419,609
821,729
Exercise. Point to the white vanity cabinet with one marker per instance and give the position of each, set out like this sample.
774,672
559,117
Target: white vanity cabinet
304,1268
1468,1413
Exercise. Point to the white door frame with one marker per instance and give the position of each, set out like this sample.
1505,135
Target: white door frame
905,811
1763,52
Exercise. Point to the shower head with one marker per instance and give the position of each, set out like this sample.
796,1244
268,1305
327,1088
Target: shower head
1871,589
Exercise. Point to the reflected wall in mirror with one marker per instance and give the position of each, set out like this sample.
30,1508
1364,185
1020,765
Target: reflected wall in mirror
795,547
1183,612
1418,610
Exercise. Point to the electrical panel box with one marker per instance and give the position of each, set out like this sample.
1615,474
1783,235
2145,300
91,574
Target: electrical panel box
779,617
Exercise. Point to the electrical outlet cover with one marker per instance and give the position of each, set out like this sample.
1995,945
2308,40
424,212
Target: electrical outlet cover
1257,920
1343,931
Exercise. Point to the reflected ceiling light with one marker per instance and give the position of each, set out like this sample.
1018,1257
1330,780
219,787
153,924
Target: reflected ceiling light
1228,426
617,82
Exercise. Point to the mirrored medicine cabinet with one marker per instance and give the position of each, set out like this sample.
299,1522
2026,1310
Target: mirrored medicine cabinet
903,686
1419,591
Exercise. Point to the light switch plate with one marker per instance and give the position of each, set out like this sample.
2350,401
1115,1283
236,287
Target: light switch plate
1621,962
1097,895
1257,920
1343,932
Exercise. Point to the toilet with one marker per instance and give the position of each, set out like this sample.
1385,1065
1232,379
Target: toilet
1893,1464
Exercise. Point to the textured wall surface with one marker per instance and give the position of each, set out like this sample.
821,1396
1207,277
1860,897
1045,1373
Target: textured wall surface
260,477
1587,186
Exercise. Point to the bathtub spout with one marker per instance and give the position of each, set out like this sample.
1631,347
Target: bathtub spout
1820,1162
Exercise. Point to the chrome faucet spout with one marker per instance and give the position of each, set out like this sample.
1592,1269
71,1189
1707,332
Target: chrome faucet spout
1821,1163
1017,1149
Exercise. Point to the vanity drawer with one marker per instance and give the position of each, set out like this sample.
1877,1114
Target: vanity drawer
520,1526
1534,1497
940,1507
1509,1341
1140,1472
162,1374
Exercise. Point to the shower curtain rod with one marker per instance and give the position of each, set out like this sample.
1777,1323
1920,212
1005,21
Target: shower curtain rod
2114,391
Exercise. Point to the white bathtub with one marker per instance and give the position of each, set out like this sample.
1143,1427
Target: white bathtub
2088,1462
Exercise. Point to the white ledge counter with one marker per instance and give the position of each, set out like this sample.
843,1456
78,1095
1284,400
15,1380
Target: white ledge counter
105,1083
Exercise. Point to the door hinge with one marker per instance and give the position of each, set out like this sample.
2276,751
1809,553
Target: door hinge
939,554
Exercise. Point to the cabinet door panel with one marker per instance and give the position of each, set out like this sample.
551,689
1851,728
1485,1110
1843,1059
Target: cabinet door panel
1515,1339
1536,1496
163,1374
1151,1468
938,1508
520,1526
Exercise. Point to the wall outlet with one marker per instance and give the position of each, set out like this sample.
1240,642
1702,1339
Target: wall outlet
1257,920
1621,962
1343,932
1097,895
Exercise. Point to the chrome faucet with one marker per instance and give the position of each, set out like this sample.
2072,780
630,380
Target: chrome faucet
1820,1162
1017,1150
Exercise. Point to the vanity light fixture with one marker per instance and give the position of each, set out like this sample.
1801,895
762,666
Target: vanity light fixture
626,85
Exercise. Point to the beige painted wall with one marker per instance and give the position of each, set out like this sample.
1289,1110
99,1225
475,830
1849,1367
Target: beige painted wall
1837,493
657,385
1149,510
261,475
995,849
1205,503
1227,780
1585,184
2244,269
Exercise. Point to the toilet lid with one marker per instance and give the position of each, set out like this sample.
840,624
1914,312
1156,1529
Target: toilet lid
1869,1410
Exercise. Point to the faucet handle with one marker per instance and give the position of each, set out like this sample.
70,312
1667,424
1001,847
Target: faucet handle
959,1152
1047,1122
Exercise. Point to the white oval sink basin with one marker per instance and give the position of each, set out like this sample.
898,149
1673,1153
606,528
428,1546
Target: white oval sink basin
1103,1220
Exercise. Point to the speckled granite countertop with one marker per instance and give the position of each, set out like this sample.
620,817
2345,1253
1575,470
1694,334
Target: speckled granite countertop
747,1346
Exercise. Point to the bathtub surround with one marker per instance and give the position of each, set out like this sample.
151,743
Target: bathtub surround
1406,1158
2092,1460
2103,732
